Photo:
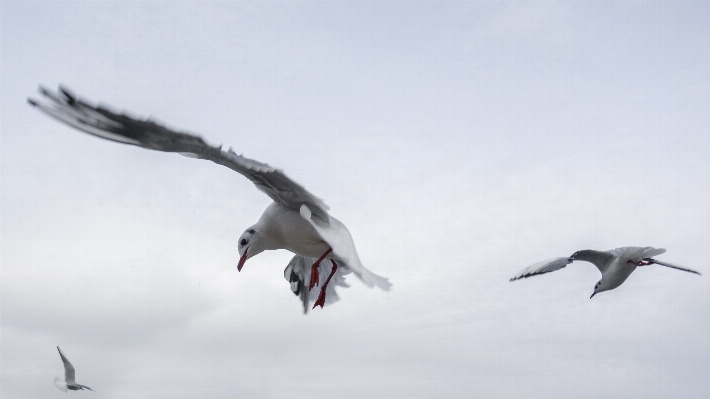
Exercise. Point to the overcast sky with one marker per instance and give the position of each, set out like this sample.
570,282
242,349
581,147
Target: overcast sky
459,142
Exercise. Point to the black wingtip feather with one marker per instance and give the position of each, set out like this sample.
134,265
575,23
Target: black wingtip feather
71,99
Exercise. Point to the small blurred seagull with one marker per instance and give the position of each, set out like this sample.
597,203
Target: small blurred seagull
615,265
68,384
296,221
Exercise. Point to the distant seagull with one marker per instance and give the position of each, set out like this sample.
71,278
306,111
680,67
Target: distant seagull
68,383
296,221
615,265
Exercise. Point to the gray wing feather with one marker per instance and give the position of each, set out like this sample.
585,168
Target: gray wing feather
673,266
68,368
543,267
85,387
601,259
121,128
298,274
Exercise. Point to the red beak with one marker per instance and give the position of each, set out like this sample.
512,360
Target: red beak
242,260
595,293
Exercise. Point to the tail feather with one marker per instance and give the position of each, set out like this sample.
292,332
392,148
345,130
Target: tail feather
373,280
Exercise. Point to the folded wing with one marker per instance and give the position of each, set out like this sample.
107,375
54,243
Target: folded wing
121,128
298,274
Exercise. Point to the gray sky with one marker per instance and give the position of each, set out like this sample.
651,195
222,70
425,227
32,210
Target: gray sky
459,142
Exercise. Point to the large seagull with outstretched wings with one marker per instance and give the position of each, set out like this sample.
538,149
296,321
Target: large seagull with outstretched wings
296,220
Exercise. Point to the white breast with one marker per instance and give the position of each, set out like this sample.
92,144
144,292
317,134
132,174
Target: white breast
291,231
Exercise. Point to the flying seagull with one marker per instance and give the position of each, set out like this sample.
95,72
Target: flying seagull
615,265
296,220
68,384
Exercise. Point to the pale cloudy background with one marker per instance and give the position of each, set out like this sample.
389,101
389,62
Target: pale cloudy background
459,142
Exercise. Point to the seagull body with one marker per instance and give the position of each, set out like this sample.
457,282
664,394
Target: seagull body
283,228
296,220
68,384
615,265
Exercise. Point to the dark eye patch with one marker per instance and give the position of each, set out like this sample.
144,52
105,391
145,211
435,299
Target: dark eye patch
243,242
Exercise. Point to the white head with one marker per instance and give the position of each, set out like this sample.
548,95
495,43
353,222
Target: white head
250,244
600,286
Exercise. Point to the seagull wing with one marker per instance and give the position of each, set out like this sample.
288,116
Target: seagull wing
601,259
343,246
68,368
85,387
672,265
122,128
543,267
298,274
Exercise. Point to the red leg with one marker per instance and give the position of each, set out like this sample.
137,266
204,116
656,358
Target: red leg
321,297
314,269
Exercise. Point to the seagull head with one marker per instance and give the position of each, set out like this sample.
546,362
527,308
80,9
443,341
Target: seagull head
599,287
596,289
249,246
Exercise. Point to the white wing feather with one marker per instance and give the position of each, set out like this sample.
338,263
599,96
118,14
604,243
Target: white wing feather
340,240
636,252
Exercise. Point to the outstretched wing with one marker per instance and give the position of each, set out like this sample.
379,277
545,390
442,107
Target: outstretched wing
543,267
85,387
671,265
600,259
68,368
121,128
298,274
